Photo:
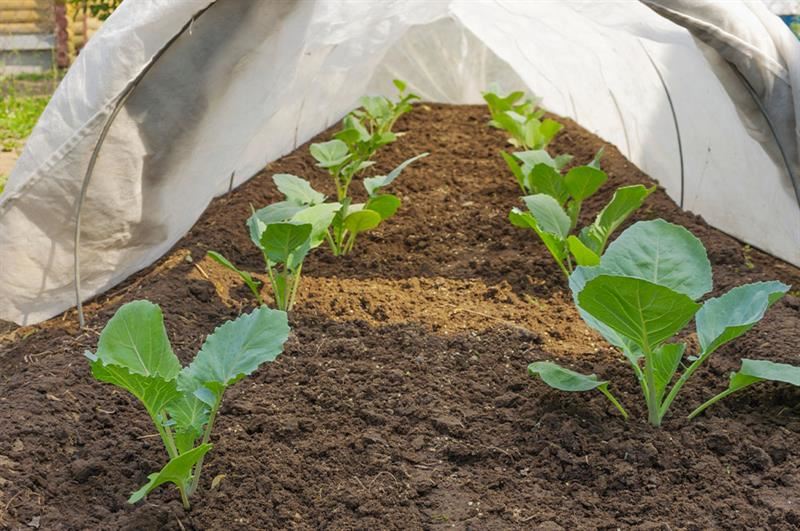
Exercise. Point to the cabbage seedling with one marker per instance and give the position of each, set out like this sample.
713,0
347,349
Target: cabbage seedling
554,207
286,232
521,119
134,353
645,290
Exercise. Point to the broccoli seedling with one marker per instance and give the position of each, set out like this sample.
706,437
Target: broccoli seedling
521,118
134,353
555,202
644,291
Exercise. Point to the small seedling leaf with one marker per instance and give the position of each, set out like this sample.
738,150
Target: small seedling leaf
330,154
549,215
582,254
320,218
361,220
154,392
246,277
373,183
177,471
563,379
626,201
724,318
297,191
584,181
385,205
280,240
544,179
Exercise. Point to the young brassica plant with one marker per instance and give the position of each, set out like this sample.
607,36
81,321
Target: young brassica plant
555,202
521,119
643,293
134,353
286,232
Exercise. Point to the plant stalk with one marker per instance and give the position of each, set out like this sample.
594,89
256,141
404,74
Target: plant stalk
653,413
198,468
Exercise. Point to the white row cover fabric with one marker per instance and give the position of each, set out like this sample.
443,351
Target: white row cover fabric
246,82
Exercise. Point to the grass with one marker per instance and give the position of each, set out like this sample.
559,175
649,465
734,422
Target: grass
18,115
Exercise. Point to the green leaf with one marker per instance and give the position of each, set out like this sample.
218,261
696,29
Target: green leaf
661,253
549,129
544,179
725,318
320,218
641,311
135,339
533,157
513,165
625,202
281,240
385,205
274,213
190,415
154,392
549,215
177,471
554,244
362,220
584,181
297,190
246,277
330,154
563,379
583,255
769,370
595,163
666,360
373,183
562,160
239,347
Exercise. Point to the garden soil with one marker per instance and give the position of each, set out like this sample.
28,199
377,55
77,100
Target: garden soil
402,400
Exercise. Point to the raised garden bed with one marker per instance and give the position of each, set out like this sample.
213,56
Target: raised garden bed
402,399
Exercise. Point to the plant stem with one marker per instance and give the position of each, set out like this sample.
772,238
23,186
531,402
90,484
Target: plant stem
184,497
169,443
198,468
653,414
295,284
681,381
604,389
715,399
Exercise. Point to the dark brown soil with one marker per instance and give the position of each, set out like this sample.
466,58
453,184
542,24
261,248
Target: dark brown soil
402,401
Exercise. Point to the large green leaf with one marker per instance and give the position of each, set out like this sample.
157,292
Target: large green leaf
549,215
725,318
385,205
544,179
563,379
644,312
661,253
320,217
362,220
239,347
297,190
373,183
177,471
584,181
549,129
280,240
330,154
625,202
154,392
135,338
